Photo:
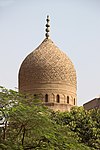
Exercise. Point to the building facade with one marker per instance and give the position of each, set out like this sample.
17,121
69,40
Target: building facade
93,104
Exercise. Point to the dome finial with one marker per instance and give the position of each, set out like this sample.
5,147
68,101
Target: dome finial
47,27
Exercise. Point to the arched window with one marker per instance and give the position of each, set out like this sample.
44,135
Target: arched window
74,101
58,98
46,98
68,99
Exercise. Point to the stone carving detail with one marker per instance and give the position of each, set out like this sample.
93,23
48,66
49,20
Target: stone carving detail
47,63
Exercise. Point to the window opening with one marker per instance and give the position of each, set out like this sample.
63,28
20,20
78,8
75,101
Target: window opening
58,99
68,99
74,101
46,98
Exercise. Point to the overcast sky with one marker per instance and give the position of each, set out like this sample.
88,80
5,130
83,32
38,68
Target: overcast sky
75,29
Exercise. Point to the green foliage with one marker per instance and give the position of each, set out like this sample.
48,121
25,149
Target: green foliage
85,124
29,125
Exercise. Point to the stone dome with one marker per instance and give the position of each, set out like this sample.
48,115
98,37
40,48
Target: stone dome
47,71
47,64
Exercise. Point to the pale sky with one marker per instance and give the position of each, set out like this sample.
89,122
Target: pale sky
75,29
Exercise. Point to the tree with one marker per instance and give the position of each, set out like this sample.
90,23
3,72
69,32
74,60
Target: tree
85,124
32,126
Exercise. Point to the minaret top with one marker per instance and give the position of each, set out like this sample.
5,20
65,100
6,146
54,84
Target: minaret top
47,27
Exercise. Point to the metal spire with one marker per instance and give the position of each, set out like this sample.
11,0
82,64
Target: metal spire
47,27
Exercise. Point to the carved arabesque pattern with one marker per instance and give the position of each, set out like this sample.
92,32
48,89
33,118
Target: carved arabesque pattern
47,63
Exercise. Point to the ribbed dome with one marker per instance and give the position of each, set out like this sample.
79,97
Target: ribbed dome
47,64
